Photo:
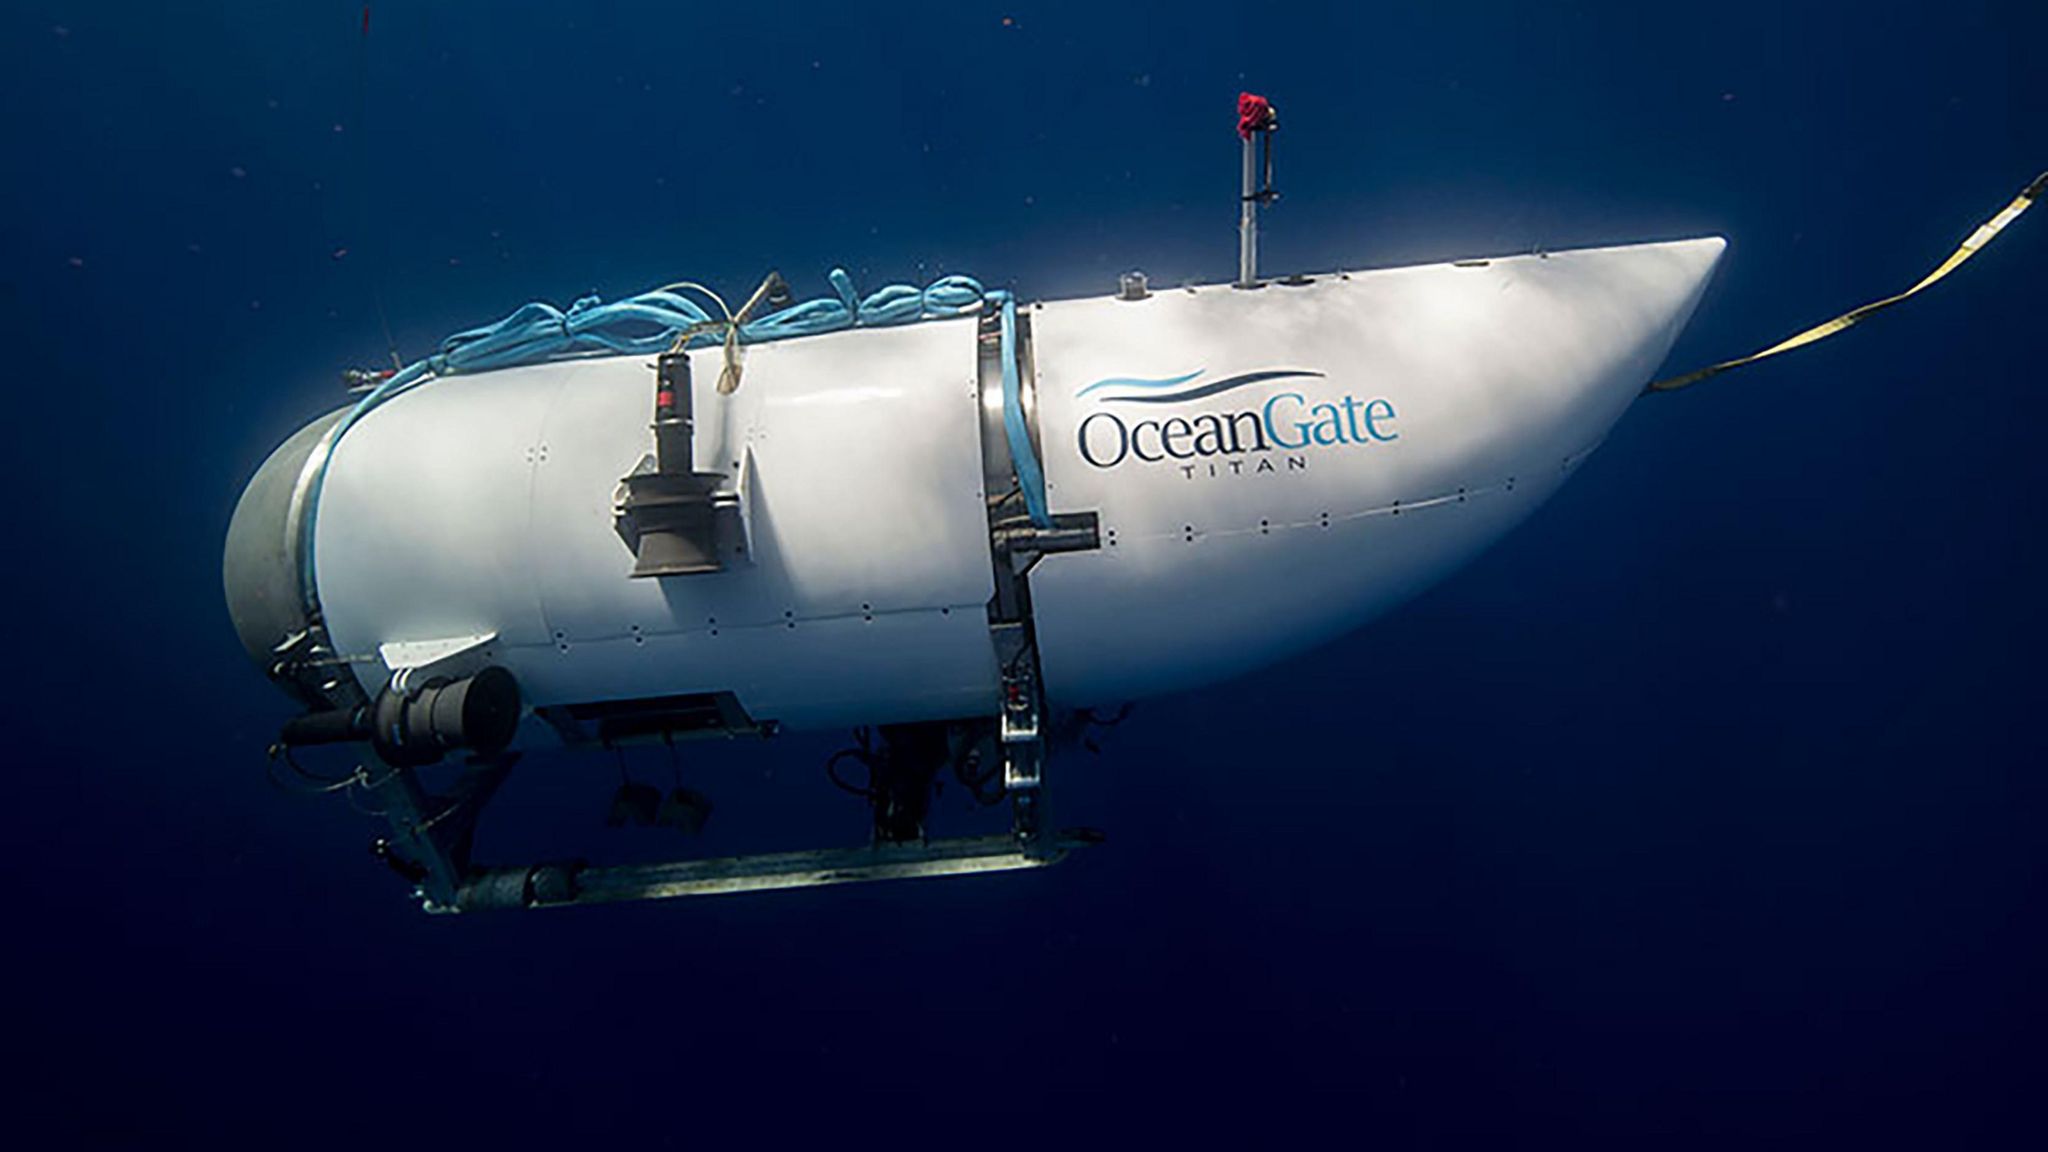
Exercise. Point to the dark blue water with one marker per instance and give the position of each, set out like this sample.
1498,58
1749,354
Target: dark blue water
1708,808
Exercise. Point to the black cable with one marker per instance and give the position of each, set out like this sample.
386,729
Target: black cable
865,792
862,751
319,785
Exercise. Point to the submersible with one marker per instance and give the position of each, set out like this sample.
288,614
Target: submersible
961,531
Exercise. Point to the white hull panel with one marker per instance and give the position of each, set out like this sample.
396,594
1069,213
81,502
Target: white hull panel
1474,388
483,503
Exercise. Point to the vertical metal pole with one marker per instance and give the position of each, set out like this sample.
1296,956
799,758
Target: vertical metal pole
1248,217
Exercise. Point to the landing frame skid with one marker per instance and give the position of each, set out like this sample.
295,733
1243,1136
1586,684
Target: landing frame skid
431,836
562,885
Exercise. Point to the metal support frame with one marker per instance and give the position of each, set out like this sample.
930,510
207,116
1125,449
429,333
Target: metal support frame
431,835
1016,544
561,885
307,666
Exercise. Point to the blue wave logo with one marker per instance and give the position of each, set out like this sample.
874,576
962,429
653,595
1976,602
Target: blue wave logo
1281,429
1172,390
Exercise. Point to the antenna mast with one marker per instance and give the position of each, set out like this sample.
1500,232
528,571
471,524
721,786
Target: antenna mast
1256,123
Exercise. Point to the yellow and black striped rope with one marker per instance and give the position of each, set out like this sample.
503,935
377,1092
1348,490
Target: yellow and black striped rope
1978,239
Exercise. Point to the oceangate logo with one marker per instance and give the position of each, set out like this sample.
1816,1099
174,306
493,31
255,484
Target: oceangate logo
1286,425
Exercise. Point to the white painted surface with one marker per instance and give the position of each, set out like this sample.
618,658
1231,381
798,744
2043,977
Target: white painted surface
484,504
1499,377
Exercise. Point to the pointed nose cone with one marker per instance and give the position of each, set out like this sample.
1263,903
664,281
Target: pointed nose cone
1700,257
1678,278
1600,326
1650,291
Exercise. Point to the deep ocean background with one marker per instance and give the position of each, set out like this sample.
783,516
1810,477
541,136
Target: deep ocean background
1708,808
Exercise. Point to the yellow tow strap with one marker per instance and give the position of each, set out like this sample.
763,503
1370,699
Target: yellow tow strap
1978,239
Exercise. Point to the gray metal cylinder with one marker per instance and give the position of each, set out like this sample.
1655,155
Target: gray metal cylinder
261,564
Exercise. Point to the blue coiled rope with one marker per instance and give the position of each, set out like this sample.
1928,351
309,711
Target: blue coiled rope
649,323
640,325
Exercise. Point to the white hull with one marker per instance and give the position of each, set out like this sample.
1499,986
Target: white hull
1459,398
